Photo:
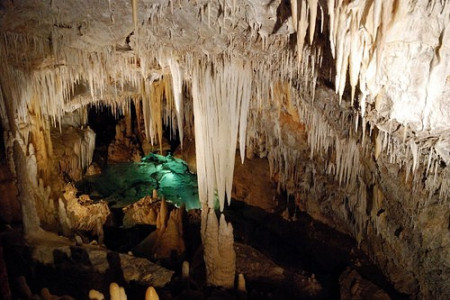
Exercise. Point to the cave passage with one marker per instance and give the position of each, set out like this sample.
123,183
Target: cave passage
125,183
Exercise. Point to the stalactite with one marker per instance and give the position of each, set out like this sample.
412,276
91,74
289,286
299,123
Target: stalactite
221,92
177,84
312,4
135,10
302,29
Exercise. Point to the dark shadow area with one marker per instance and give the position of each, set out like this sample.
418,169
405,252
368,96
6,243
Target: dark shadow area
304,244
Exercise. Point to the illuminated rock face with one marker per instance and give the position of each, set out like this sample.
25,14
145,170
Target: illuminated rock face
369,158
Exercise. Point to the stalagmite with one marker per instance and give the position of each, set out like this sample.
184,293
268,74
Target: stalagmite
25,179
96,295
185,270
218,249
167,239
123,295
241,283
63,219
151,294
114,291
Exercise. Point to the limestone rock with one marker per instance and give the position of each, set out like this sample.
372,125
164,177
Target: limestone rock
124,147
252,183
134,269
93,169
396,52
187,153
83,213
143,271
74,150
256,266
168,236
148,148
143,211
46,295
353,286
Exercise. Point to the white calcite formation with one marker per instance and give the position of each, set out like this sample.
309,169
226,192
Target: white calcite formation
363,89
219,254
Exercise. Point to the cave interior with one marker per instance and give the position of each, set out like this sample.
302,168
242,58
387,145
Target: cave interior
225,149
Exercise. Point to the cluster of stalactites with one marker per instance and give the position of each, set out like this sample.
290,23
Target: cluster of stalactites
322,138
358,35
49,81
358,31
221,93
420,160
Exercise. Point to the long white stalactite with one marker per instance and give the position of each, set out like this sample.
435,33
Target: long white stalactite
221,95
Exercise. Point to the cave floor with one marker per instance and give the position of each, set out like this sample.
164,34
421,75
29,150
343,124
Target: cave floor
280,259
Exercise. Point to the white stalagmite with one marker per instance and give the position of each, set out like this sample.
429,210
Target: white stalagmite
221,95
219,254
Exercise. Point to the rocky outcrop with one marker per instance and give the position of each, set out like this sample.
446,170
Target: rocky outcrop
353,286
350,182
87,260
124,147
74,150
167,240
82,213
142,212
187,153
252,183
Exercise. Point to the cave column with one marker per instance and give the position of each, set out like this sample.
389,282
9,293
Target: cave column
221,95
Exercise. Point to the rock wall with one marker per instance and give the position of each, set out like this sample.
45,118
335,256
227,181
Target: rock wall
344,180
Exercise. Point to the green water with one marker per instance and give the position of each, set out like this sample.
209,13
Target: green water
125,183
